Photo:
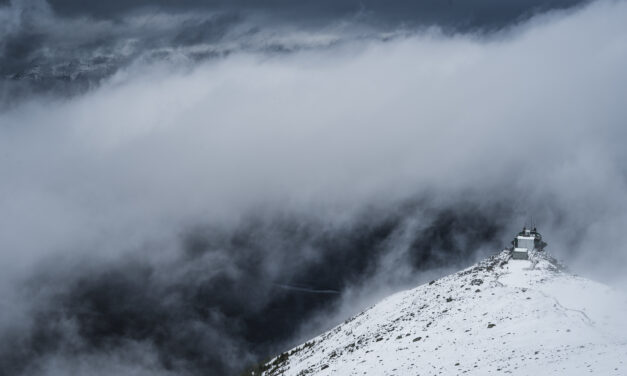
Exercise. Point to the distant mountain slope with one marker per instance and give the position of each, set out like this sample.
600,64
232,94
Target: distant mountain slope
501,316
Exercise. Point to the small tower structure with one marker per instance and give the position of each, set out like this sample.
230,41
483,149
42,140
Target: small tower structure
526,241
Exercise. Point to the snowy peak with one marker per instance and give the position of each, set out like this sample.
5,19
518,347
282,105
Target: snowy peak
501,315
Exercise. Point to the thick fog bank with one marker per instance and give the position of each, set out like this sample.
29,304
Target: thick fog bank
192,218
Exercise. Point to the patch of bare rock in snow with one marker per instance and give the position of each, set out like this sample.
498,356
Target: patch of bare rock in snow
500,316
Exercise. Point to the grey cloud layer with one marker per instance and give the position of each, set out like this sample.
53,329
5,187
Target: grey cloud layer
70,46
148,224
457,14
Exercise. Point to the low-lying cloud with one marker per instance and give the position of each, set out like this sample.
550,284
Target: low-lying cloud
179,218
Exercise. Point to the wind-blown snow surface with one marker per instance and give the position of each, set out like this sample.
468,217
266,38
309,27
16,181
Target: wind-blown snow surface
501,316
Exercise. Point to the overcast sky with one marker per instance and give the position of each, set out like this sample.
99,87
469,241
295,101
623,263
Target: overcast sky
66,46
189,187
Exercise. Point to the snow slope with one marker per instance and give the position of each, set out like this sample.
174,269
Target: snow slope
501,316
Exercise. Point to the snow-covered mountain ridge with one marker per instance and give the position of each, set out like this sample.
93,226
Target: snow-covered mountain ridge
500,316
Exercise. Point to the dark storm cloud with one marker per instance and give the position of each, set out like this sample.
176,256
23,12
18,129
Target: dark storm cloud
44,51
202,313
452,13
151,225
70,46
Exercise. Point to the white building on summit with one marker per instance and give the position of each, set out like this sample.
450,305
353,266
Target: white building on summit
526,241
